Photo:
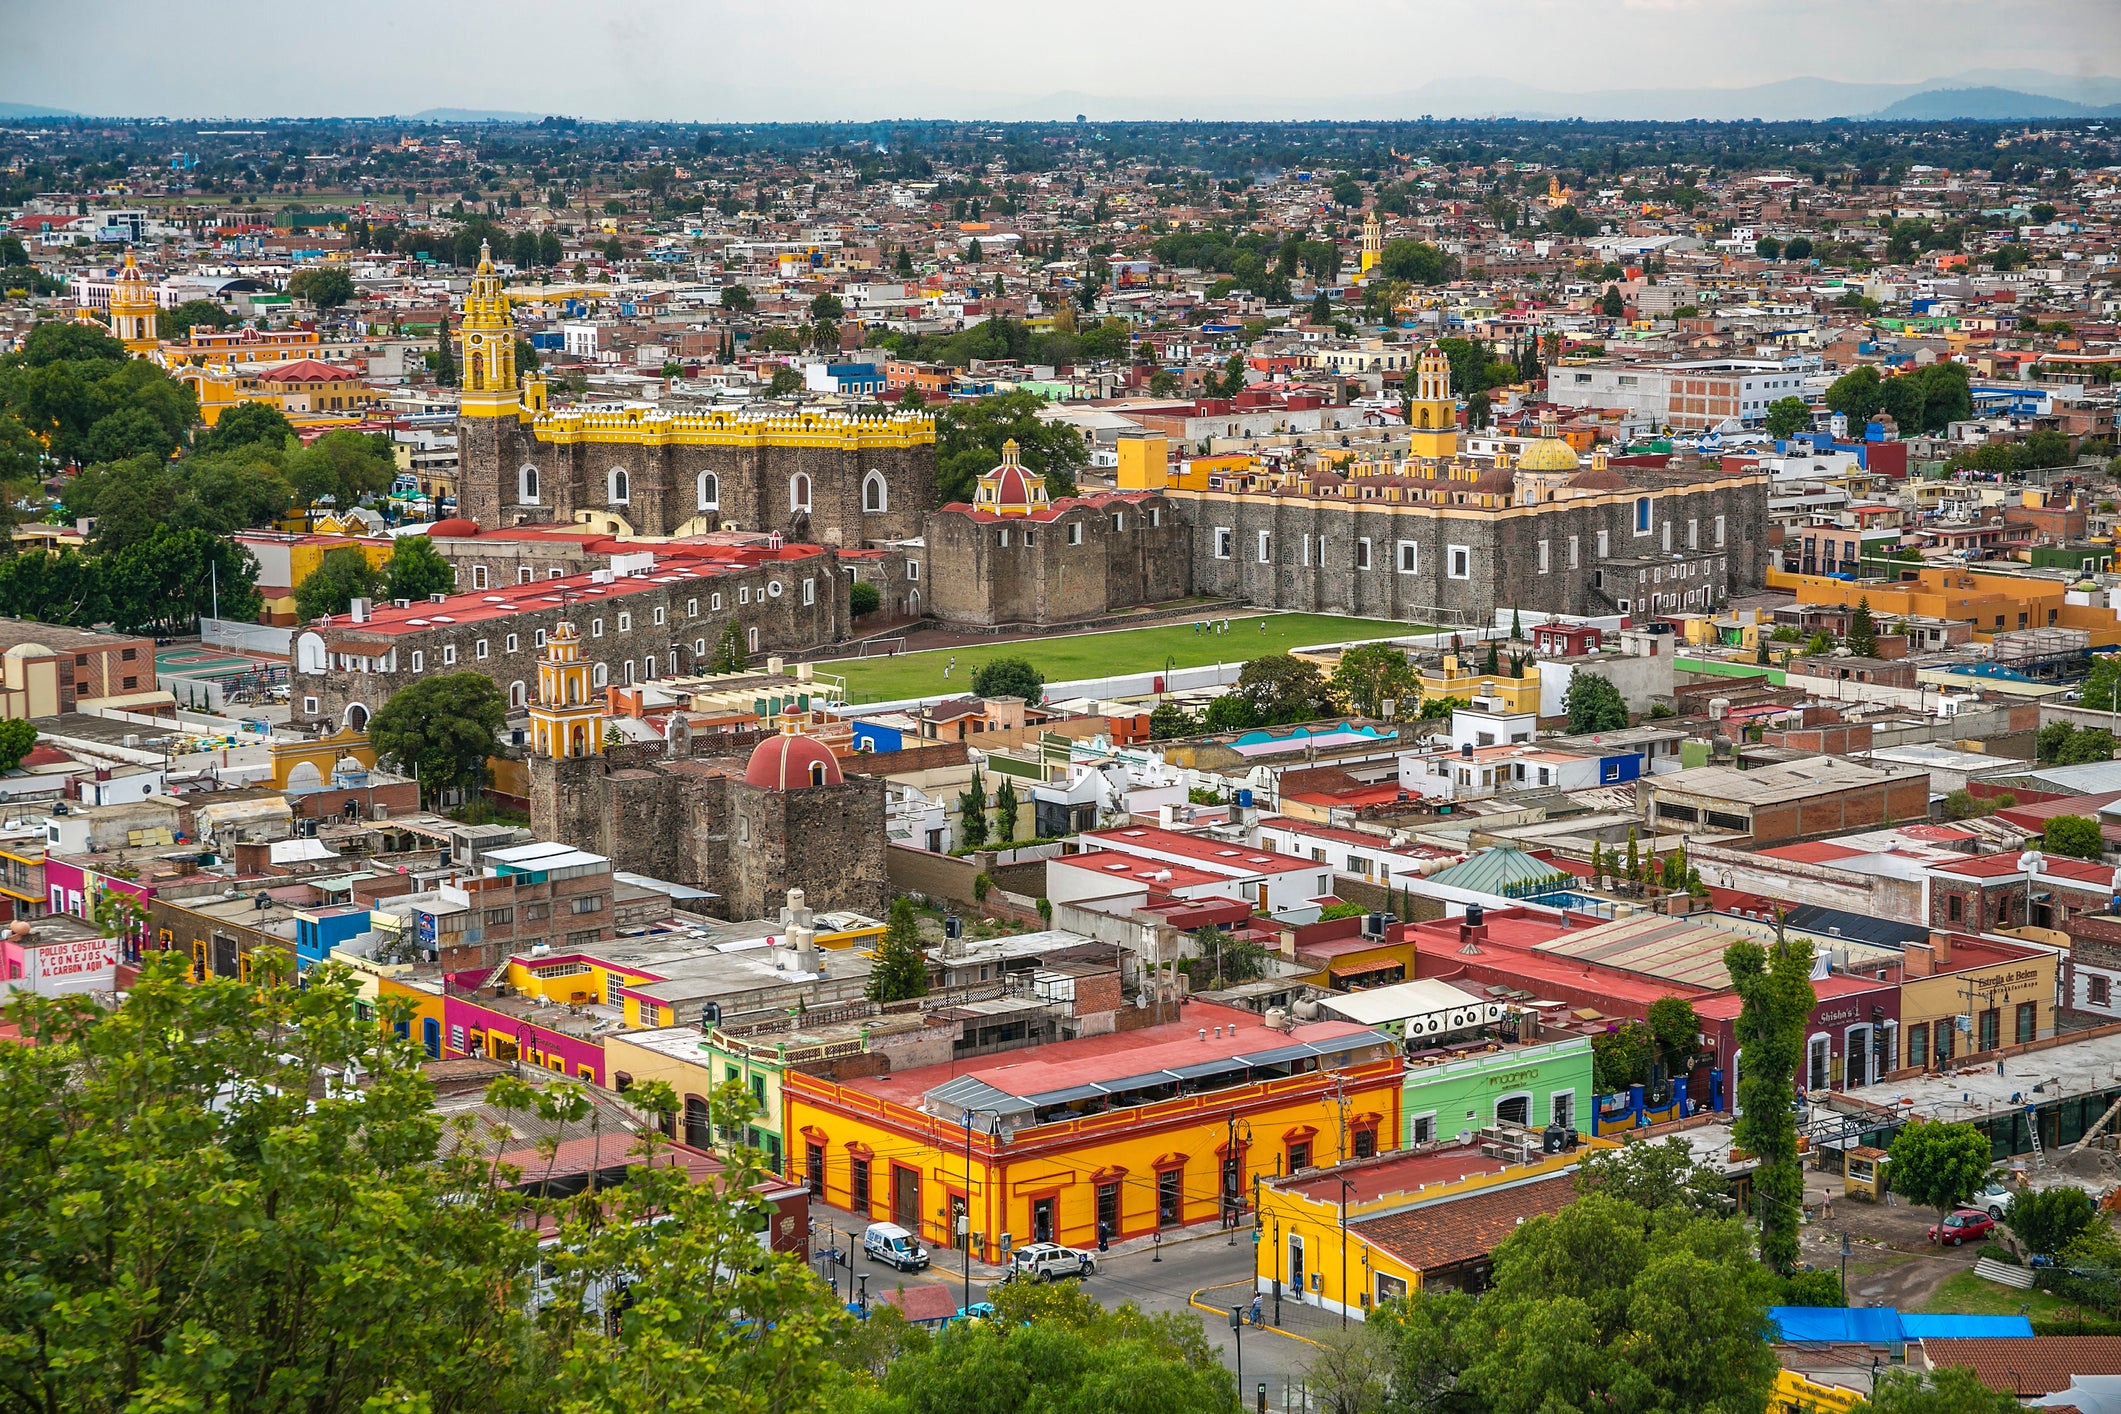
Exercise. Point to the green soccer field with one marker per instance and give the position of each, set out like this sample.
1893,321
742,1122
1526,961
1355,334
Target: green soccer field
1071,657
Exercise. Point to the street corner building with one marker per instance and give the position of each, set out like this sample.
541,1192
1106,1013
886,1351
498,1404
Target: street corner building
1116,1136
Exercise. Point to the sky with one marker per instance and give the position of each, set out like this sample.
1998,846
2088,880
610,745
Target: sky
724,60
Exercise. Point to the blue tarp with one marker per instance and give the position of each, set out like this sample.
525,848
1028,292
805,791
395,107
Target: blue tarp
1881,1325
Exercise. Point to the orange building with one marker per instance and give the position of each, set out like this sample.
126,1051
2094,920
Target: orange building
1125,1134
1992,603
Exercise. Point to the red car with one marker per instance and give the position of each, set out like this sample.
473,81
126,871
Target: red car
1966,1225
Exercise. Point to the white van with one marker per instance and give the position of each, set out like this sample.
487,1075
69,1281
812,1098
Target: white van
892,1244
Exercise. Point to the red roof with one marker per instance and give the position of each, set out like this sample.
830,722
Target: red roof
790,761
1465,1229
1811,852
2027,1365
309,370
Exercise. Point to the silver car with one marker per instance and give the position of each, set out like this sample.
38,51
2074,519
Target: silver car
1043,1261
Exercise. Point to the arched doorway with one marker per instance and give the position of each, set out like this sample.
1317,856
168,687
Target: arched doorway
356,717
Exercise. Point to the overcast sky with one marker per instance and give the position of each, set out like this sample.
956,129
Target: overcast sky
719,60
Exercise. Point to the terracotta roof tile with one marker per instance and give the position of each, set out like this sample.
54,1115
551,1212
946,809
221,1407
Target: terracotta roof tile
1465,1229
2024,1366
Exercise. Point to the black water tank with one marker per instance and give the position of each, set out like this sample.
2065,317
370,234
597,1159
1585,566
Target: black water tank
1475,915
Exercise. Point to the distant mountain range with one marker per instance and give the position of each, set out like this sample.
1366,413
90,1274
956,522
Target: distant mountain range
1993,95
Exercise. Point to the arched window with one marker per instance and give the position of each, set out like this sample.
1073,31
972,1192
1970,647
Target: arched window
799,492
357,715
600,676
620,486
817,773
527,485
752,639
518,694
876,496
710,491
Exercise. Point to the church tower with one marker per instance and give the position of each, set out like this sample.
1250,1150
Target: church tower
1432,413
132,310
487,347
1373,242
567,719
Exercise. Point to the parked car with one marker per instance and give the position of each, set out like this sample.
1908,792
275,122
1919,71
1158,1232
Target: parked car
891,1244
1993,1199
1043,1261
1966,1225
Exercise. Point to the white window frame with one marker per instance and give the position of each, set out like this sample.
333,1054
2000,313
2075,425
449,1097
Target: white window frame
1458,561
799,492
527,485
1362,552
658,614
419,663
1719,532
1693,533
707,488
1075,532
1644,516
596,628
743,594
449,655
1575,559
1266,547
1225,543
1605,551
810,591
626,623
618,486
525,574
692,608
478,576
875,479
1543,557
479,649
714,603
913,569
1409,560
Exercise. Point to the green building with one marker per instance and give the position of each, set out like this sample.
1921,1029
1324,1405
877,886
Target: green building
1531,1085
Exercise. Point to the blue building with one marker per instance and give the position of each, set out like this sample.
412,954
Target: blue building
319,930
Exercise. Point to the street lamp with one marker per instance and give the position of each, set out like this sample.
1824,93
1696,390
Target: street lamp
1237,1337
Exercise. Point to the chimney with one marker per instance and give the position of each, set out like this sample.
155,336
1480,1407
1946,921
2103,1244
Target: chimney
804,941
252,856
1941,948
1918,960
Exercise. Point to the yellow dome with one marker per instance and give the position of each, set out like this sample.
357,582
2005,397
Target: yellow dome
1548,454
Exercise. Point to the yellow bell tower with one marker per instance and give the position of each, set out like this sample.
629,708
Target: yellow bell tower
1432,413
132,310
486,343
567,719
1373,242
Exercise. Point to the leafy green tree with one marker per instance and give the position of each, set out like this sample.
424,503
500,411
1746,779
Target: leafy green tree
1611,305
442,362
1417,263
1655,1177
161,586
730,655
1621,1056
1856,394
17,739
1863,632
341,577
1963,804
246,425
900,971
414,571
738,299
1786,417
1231,712
1171,720
1009,677
347,466
1370,674
863,598
969,438
1672,1020
1955,1389
326,287
2076,836
234,1091
1283,690
827,308
193,314
2050,1219
785,382
1594,704
1937,1165
442,729
1775,997
972,813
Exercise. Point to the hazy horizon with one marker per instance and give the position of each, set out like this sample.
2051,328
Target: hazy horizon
834,61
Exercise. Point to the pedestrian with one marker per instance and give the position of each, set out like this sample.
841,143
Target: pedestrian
1262,625
1255,1308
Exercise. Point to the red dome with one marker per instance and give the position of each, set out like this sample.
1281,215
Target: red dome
455,528
784,762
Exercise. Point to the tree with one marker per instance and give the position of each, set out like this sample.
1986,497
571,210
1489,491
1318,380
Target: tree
1620,1057
193,314
826,308
1863,633
1655,1177
1009,677
347,466
863,598
1321,309
1963,804
1935,1165
1594,704
341,577
245,425
1417,263
2077,836
972,813
1171,720
1284,690
2050,1219
1775,997
1005,812
730,655
326,287
442,362
1371,674
1955,1389
786,382
234,1088
1798,248
414,571
1786,417
900,971
1612,306
1231,712
738,299
17,739
1856,395
969,437
1673,1022
441,730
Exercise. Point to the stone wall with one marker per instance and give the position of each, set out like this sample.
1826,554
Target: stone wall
1087,561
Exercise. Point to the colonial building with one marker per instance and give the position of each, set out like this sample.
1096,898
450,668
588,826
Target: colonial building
746,828
661,618
1440,538
1016,556
828,478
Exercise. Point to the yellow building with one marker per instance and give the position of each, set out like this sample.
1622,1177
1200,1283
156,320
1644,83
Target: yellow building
1373,243
1432,411
486,345
1123,1135
132,310
1351,1236
1457,678
1992,603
